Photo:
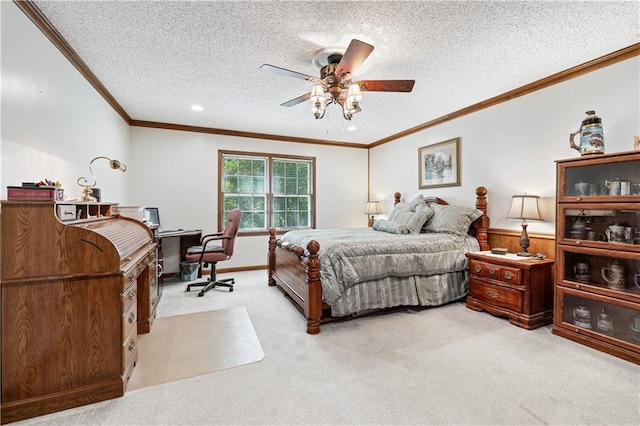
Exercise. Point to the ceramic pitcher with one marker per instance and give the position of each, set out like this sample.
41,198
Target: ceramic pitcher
591,136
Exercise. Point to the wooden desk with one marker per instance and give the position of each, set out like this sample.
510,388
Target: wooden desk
188,239
78,285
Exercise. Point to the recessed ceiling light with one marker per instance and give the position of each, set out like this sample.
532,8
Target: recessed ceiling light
196,107
352,128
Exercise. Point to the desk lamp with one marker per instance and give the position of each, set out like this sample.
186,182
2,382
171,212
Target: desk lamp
524,207
83,182
373,208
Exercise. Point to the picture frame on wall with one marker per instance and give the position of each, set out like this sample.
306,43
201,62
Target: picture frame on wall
439,164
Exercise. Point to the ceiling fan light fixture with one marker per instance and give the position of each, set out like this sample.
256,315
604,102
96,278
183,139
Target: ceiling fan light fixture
354,93
317,93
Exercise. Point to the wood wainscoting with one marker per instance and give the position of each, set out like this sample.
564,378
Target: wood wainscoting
510,239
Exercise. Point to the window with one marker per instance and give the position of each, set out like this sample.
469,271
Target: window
271,190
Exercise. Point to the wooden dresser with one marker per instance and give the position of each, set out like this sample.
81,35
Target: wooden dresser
78,285
519,288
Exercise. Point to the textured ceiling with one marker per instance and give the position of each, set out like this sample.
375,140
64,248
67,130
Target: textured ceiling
159,58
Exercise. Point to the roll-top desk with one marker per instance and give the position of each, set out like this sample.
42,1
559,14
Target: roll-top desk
78,285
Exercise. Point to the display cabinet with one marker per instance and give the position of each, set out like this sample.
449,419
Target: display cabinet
597,285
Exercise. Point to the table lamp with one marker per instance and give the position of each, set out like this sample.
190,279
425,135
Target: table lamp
83,182
373,208
524,207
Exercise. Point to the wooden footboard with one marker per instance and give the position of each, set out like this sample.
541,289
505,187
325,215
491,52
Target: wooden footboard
299,276
297,271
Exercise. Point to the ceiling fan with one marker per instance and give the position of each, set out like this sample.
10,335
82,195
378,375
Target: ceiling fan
335,86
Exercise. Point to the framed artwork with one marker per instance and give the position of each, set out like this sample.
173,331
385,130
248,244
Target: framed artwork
439,164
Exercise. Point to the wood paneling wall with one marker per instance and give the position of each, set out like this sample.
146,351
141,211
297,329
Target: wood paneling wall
510,239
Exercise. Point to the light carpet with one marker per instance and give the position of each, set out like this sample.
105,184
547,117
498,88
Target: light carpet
190,345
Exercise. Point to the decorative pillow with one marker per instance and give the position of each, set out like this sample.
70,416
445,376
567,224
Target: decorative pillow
414,220
404,207
390,227
400,207
451,219
419,200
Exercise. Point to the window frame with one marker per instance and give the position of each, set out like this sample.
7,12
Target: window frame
269,182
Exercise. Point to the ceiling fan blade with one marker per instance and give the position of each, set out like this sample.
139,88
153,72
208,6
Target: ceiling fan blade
386,85
289,73
297,100
353,57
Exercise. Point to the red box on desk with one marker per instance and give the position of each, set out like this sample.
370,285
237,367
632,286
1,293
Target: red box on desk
20,193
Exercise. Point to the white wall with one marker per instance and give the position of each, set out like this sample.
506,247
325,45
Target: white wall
53,121
177,172
511,147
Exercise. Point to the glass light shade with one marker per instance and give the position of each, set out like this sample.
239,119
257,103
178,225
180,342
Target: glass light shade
354,93
525,207
317,93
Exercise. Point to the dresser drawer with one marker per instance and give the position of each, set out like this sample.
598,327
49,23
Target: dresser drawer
494,295
128,297
130,350
130,279
130,319
496,272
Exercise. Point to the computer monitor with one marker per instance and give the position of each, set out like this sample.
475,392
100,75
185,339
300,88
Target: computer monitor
151,216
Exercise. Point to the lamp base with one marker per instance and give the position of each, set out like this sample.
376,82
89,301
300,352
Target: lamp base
86,196
525,254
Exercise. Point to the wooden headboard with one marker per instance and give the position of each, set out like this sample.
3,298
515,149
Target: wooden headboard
479,227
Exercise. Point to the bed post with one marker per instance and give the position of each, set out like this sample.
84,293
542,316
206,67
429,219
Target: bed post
482,225
271,256
314,298
396,198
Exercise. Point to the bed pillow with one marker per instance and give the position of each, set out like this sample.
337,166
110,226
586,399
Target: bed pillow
407,207
451,219
390,227
398,208
414,220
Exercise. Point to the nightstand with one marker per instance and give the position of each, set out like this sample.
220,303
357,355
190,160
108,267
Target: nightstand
511,286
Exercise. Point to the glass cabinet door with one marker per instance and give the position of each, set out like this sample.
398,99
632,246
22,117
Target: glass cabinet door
600,317
614,180
613,226
614,273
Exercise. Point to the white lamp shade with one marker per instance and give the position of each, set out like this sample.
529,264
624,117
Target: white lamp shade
373,207
524,207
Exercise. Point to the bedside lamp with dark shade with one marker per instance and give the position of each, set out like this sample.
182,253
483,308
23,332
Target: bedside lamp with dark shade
524,207
373,208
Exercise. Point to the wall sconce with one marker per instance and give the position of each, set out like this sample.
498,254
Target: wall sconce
373,208
83,182
524,207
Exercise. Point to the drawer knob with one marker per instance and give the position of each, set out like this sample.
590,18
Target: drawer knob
508,275
132,345
492,271
132,317
493,294
132,295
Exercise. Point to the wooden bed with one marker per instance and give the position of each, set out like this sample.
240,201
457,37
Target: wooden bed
298,275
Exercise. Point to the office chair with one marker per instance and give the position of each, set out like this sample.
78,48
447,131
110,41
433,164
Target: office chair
208,252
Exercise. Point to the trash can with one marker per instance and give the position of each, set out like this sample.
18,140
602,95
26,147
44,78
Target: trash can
189,271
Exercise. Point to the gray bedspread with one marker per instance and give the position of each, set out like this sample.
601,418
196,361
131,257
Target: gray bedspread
350,256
